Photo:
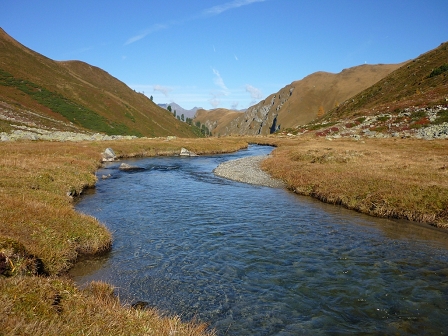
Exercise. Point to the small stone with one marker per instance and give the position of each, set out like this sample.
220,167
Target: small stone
186,152
128,167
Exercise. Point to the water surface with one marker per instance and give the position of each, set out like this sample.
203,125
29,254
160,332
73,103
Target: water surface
253,260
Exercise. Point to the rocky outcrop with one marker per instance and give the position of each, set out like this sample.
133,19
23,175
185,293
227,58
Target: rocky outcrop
299,102
427,123
31,133
261,119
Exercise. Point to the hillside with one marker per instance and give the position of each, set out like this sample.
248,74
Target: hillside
299,102
74,96
421,82
412,101
216,120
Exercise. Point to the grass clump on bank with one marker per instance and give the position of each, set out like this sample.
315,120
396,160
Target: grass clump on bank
55,306
41,237
405,179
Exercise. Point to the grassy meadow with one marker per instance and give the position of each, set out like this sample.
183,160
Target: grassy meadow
395,178
41,235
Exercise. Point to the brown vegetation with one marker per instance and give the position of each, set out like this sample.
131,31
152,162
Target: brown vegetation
55,306
41,234
297,103
398,178
417,83
103,103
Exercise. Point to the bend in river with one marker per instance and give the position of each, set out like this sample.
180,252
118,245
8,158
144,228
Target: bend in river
255,260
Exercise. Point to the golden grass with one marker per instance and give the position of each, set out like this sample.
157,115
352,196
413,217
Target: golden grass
42,234
405,179
55,306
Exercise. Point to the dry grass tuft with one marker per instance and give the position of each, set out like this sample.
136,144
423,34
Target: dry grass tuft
54,306
386,178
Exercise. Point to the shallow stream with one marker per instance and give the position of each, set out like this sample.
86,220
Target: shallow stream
253,260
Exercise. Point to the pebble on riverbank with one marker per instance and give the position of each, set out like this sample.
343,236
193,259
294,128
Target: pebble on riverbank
247,170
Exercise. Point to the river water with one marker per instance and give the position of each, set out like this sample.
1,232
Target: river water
252,260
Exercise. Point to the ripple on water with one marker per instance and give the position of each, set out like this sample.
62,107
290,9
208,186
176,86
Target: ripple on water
254,260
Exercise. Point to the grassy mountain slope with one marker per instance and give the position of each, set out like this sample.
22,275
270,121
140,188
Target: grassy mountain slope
412,101
82,96
421,82
299,102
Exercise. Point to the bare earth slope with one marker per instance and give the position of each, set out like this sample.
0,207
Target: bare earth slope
82,96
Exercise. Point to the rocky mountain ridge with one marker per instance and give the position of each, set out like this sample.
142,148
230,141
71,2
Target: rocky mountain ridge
299,102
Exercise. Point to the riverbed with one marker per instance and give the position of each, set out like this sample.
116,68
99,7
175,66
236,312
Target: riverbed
257,260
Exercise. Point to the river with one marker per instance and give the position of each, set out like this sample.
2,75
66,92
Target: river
253,260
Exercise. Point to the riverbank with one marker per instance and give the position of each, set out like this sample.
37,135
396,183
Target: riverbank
392,178
42,236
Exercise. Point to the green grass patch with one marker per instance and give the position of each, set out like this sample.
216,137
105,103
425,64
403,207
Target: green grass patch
74,112
437,71
442,116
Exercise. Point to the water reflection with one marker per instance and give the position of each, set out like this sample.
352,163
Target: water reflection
259,261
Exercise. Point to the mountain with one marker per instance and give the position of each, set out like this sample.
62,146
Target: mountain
422,82
180,110
75,96
411,102
299,102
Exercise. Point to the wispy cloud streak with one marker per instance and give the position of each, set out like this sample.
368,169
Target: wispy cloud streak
255,93
216,10
220,82
212,11
146,32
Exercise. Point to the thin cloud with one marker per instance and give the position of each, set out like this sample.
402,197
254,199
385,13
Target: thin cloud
215,101
212,11
220,82
235,57
254,92
163,89
145,33
216,10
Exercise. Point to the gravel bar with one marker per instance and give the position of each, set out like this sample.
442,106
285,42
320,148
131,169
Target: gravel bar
247,170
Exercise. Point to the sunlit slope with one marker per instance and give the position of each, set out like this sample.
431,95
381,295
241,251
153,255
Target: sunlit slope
420,82
297,103
216,120
76,92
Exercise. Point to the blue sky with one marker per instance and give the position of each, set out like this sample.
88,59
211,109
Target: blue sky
225,53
